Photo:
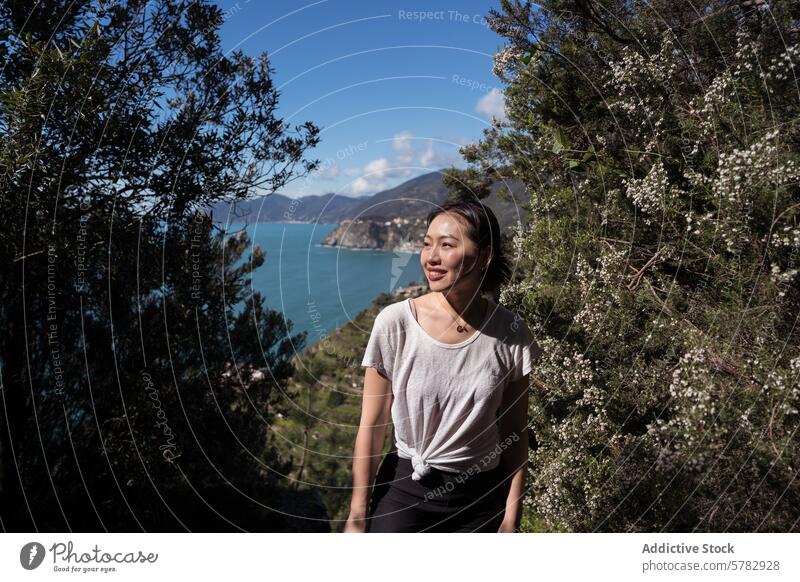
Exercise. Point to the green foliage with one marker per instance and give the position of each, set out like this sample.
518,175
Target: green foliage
137,394
316,436
660,150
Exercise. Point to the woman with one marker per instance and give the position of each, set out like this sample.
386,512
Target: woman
451,369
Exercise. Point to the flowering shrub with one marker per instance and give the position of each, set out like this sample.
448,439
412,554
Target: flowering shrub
659,272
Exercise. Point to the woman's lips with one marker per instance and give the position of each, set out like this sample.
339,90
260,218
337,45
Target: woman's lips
436,275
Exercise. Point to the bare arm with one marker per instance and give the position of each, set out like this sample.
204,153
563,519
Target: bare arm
514,424
375,414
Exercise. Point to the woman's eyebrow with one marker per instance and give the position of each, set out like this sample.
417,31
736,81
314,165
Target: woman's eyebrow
443,236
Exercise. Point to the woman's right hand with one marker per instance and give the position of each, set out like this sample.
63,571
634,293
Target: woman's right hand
375,414
356,523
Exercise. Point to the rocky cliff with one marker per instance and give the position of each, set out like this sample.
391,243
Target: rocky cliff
398,234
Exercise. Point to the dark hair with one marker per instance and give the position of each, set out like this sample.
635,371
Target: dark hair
484,230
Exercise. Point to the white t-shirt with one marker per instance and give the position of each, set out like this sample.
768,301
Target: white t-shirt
447,396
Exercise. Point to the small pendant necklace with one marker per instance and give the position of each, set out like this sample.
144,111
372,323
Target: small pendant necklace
464,328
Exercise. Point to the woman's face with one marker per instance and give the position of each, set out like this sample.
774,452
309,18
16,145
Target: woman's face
449,256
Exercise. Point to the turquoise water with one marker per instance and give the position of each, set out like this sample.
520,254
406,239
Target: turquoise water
321,288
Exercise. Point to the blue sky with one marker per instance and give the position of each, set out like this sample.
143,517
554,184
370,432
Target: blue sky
397,87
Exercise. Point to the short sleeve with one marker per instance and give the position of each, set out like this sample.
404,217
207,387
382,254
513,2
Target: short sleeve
380,349
526,350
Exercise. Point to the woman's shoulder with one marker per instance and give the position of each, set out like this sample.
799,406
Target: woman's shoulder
502,313
511,322
392,313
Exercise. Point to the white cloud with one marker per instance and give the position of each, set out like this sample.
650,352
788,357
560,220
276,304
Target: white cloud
379,168
328,172
412,157
493,103
362,185
403,144
432,158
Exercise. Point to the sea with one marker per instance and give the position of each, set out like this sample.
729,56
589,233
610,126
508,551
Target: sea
319,288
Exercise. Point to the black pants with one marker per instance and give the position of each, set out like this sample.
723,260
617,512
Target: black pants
439,502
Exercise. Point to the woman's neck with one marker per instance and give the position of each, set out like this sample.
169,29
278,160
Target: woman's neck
470,307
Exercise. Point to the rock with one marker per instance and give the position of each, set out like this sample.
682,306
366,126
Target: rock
399,235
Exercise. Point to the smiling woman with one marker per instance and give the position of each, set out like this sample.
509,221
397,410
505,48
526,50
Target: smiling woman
451,370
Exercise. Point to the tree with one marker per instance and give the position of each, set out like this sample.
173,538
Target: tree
659,142
139,378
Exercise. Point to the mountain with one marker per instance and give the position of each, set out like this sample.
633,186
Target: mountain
325,209
411,199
